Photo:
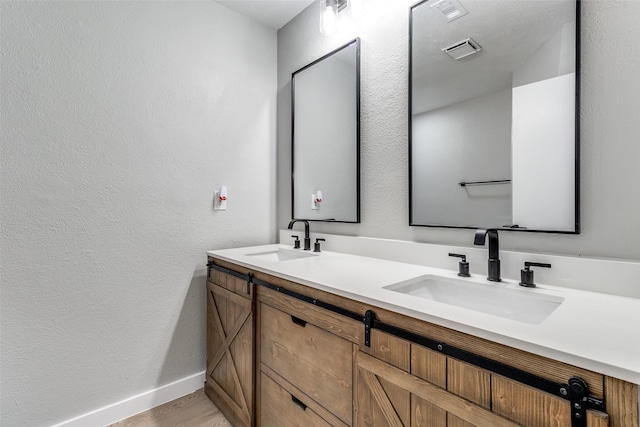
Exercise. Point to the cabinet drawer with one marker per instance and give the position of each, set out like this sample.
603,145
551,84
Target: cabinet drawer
281,408
315,361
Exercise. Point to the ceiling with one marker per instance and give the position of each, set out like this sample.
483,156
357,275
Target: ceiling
509,32
272,13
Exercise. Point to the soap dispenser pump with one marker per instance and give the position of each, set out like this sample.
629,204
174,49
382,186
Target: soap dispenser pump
526,274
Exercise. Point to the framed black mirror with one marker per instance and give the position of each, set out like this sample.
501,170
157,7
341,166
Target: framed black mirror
325,96
493,125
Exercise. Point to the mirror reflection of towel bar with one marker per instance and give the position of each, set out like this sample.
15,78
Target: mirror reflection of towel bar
500,181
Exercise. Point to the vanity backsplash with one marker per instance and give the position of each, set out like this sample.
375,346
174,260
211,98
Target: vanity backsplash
590,274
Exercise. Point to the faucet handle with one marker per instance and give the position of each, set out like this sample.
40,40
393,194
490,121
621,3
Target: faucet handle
296,243
526,274
463,265
316,245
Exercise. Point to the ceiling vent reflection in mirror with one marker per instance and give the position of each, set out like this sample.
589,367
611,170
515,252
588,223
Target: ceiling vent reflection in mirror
462,49
451,9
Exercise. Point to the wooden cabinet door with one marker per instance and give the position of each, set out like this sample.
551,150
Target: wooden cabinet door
510,399
230,349
388,385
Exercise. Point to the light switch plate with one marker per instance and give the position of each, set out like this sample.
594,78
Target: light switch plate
218,204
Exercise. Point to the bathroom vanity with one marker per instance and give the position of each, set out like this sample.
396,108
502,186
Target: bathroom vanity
330,339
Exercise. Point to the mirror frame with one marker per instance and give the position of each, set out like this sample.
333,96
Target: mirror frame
355,41
576,229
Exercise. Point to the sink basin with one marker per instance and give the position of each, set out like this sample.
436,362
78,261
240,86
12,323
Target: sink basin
523,305
279,255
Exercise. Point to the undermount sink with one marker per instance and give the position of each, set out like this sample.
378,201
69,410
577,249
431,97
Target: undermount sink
523,305
279,255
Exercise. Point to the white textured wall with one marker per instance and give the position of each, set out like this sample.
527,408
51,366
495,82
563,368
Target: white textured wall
119,120
609,123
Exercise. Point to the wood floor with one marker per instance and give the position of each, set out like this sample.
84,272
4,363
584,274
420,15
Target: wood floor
192,410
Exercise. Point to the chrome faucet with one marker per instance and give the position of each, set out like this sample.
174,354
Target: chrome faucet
307,239
494,258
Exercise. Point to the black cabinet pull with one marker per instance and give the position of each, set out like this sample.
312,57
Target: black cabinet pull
298,321
298,403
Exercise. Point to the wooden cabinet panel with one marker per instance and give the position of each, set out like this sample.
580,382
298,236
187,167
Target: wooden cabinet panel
315,361
535,408
425,414
230,351
472,383
389,348
467,381
622,402
431,367
529,406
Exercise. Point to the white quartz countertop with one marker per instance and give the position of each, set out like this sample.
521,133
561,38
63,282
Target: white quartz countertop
590,330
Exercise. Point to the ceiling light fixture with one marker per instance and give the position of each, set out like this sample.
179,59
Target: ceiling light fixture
356,8
329,10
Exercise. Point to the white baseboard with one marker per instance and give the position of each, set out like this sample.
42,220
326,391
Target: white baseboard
137,404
